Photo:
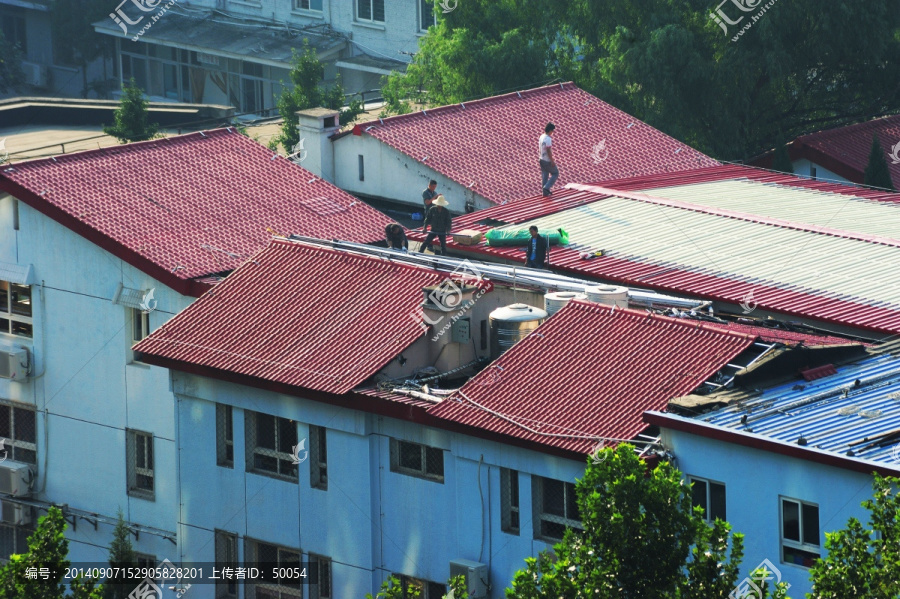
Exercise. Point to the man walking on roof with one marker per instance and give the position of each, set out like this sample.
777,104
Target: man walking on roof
440,220
549,172
429,194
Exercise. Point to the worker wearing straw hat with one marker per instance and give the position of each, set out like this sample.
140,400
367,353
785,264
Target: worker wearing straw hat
439,218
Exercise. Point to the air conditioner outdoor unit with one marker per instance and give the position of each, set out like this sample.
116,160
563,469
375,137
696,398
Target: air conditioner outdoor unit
34,74
14,364
14,513
15,478
476,575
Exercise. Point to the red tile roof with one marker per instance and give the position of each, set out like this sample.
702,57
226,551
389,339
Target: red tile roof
591,372
184,207
792,338
845,150
668,278
492,144
302,316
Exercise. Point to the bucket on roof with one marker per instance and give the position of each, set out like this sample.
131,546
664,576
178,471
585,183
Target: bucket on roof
610,295
556,301
510,324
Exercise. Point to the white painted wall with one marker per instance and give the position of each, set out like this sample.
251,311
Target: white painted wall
89,392
803,167
754,480
370,521
392,175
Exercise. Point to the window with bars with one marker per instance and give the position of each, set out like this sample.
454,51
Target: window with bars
370,10
426,588
272,556
139,460
414,459
555,508
799,532
322,588
14,539
18,430
224,436
226,556
710,496
270,443
145,560
308,5
509,501
318,458
15,309
426,14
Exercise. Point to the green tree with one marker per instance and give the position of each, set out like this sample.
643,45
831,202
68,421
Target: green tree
132,121
639,529
864,561
781,158
458,588
121,555
47,548
797,69
392,589
11,74
306,75
74,35
877,173
482,48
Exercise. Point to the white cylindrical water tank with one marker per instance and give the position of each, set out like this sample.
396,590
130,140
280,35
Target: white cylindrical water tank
610,295
555,301
510,324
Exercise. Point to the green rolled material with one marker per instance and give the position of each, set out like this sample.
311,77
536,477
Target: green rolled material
510,237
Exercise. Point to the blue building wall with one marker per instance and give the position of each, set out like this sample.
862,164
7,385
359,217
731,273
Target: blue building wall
87,390
755,480
370,521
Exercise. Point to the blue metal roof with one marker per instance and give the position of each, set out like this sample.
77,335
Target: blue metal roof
837,413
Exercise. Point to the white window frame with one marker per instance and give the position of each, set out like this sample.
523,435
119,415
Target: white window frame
279,456
801,546
322,564
141,319
421,16
224,430
14,442
298,6
318,457
226,543
509,480
537,490
371,4
418,473
133,438
6,311
273,590
706,513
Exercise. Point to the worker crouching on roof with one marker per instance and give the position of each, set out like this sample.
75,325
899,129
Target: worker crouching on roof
396,237
441,222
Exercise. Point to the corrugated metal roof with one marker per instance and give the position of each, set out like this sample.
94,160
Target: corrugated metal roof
307,317
191,205
824,415
591,372
825,268
492,144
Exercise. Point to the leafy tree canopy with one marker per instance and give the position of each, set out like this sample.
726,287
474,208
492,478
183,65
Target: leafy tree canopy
132,121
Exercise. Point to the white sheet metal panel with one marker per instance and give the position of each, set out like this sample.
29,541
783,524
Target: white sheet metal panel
798,205
741,250
17,273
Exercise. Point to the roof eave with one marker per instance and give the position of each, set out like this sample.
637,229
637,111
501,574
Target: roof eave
810,454
187,287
